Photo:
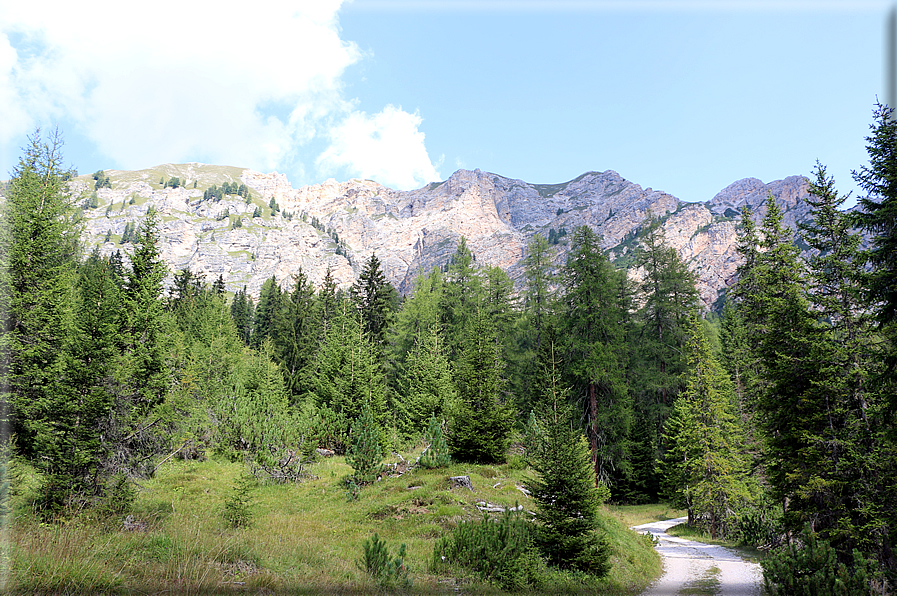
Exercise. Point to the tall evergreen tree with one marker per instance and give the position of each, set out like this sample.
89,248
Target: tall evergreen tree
144,328
595,315
879,211
242,310
705,468
296,326
773,301
481,424
39,250
270,300
567,499
419,312
668,296
845,497
376,298
460,298
348,370
426,386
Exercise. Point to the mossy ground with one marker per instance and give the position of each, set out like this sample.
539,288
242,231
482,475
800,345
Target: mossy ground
304,538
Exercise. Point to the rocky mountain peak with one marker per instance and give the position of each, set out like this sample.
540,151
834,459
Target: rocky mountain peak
337,225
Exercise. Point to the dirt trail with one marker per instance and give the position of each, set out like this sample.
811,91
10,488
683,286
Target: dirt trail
691,567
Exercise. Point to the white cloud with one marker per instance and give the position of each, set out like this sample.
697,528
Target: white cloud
178,80
386,147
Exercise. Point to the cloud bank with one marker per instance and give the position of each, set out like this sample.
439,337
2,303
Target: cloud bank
260,86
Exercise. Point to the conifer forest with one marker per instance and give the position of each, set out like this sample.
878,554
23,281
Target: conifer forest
771,422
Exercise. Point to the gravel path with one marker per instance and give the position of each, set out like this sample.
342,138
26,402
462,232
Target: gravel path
691,567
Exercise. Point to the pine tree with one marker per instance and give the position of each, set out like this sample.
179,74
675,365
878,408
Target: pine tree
364,455
567,499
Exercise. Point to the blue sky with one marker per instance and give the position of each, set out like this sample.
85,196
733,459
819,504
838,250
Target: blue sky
681,96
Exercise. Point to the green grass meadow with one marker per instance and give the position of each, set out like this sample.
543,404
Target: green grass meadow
304,538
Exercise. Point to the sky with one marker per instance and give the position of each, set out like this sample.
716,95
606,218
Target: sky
684,96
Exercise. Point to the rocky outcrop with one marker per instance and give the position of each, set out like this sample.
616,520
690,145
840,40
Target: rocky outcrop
413,231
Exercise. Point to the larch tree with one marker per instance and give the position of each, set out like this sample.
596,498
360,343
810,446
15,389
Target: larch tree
595,314
426,384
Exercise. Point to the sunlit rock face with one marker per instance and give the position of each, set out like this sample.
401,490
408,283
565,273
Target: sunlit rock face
338,225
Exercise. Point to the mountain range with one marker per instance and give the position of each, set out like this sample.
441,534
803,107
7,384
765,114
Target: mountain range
275,229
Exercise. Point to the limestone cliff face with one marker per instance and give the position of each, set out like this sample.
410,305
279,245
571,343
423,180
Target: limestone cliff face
413,231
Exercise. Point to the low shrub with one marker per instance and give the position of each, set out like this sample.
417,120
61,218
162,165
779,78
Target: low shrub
813,570
382,566
499,550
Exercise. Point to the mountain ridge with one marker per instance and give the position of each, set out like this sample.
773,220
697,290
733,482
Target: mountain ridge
340,224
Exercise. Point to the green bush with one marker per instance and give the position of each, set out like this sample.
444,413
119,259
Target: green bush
499,550
813,570
388,571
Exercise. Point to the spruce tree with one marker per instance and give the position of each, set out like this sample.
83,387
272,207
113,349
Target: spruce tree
879,211
705,469
296,326
567,499
242,310
426,384
270,300
39,249
846,499
481,423
144,328
375,297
